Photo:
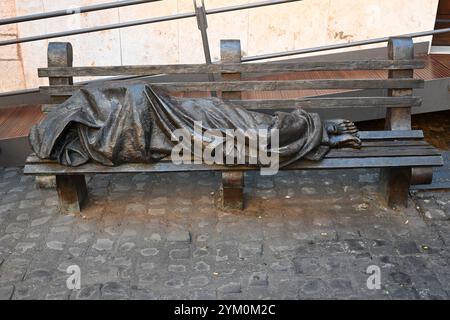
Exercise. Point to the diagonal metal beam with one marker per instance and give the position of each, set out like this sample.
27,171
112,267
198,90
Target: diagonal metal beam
70,11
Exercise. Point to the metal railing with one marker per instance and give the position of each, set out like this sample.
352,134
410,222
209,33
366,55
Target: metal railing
200,13
341,45
142,22
70,11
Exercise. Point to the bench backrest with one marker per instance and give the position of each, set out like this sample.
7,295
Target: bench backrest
400,64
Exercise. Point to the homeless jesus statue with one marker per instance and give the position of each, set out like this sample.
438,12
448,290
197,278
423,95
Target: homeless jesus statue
135,122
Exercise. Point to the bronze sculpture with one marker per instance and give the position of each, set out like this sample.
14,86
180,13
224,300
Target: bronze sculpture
134,122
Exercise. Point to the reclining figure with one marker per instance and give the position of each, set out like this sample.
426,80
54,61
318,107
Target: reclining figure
135,123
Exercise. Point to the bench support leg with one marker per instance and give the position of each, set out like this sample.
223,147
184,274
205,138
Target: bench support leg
422,175
72,193
233,190
396,182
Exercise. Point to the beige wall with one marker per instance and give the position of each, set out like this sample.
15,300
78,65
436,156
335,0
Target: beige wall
271,29
11,67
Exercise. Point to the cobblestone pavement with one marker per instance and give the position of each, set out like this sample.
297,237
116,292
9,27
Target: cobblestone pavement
303,235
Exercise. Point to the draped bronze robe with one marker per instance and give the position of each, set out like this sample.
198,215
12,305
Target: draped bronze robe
132,123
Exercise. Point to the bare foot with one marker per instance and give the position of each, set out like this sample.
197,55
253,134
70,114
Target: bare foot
340,126
344,141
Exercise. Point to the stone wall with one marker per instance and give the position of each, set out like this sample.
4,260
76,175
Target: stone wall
11,67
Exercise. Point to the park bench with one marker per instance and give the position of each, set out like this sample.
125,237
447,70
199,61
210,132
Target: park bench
402,153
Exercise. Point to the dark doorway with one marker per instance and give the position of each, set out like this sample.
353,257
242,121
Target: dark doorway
442,21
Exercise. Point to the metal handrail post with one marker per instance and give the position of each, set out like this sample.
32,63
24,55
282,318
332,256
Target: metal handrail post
202,23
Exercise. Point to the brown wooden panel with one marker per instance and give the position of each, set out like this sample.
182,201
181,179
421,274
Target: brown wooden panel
395,134
267,85
338,102
362,102
381,146
398,151
393,143
370,138
443,12
338,163
443,8
442,39
17,121
230,68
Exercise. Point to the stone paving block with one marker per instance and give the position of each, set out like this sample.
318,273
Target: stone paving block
179,236
6,292
282,266
135,208
400,278
229,288
250,250
26,291
5,208
180,254
307,266
103,245
25,247
198,281
177,268
381,247
436,214
104,274
148,252
57,295
143,294
202,266
314,287
403,293
341,287
114,290
39,275
13,270
55,245
288,288
407,247
259,279
201,252
428,287
204,295
175,283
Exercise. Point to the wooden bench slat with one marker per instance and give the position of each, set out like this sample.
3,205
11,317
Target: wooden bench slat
393,143
329,163
365,144
384,152
371,139
319,84
394,134
143,70
370,149
374,151
338,102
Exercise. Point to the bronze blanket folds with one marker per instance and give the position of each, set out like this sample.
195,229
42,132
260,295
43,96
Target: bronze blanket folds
131,123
